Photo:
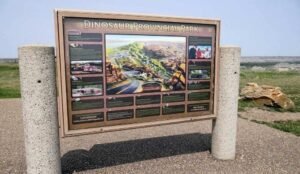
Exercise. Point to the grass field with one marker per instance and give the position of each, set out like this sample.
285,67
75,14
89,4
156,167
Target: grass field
286,126
9,81
288,81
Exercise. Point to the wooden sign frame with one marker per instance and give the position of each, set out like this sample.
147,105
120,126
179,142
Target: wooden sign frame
137,25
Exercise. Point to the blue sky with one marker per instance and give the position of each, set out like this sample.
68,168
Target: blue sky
260,27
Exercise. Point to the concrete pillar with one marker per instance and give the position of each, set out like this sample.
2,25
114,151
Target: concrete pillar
38,90
225,126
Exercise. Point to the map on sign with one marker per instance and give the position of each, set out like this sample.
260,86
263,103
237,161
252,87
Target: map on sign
141,63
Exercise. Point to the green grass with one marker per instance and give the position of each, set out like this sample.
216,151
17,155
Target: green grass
288,81
286,126
9,81
243,104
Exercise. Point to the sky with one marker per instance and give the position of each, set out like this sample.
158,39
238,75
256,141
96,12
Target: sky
259,27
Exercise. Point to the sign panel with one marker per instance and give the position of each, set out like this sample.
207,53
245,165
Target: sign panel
123,71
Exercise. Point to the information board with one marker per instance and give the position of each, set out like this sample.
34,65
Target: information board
120,71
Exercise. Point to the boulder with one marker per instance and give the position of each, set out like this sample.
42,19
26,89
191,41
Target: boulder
267,95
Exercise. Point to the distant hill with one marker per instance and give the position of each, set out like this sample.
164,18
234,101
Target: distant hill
244,59
250,59
8,60
278,63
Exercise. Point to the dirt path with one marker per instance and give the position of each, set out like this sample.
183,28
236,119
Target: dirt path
266,116
180,148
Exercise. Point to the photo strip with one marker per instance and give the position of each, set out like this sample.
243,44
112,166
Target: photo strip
200,47
86,67
199,70
85,52
86,86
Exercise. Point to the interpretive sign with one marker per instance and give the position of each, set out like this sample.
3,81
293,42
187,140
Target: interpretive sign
119,71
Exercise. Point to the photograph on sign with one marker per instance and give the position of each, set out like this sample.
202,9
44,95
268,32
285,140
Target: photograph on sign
86,67
199,52
84,52
86,86
144,63
200,47
199,70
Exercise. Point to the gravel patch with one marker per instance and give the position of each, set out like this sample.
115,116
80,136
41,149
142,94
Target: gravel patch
266,116
179,148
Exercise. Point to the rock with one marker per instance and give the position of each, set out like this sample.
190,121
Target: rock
267,95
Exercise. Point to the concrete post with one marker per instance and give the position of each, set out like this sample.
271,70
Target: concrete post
38,90
225,126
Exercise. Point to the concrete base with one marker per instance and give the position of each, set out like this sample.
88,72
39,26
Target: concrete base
225,126
38,90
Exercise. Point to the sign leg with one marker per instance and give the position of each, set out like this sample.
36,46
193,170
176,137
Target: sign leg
38,90
225,126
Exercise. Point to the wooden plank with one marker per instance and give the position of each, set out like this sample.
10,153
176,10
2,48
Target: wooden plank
137,125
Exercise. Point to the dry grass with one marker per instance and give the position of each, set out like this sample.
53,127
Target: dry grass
9,81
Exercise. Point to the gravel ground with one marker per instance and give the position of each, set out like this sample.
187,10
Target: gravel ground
263,115
179,148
